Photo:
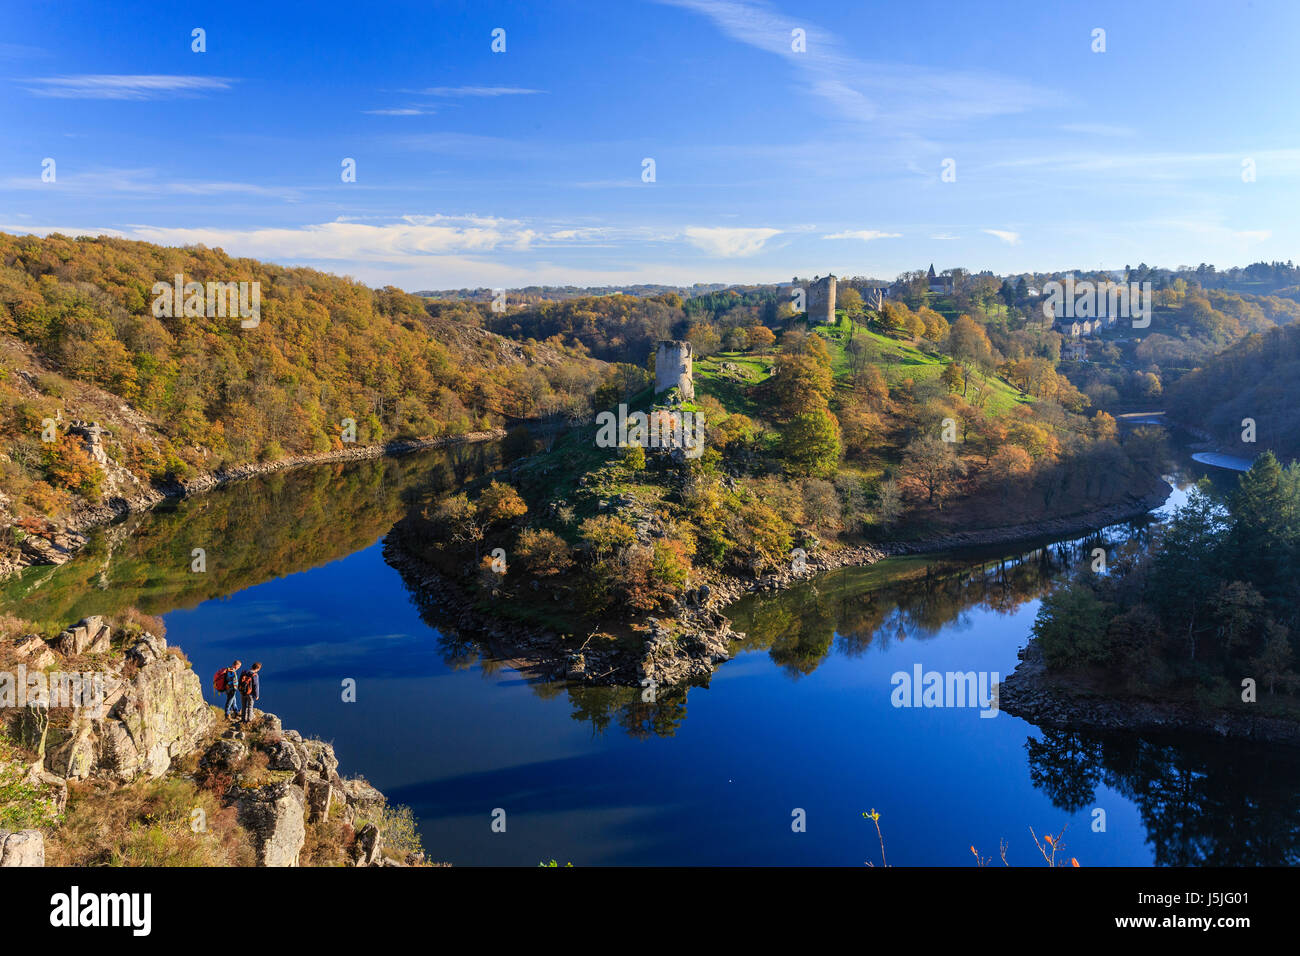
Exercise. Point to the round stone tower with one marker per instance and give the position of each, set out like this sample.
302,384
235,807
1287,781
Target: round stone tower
673,369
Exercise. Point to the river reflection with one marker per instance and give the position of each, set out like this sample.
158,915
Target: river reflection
800,718
1203,803
249,532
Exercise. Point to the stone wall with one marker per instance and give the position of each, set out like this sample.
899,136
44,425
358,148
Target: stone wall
673,369
821,300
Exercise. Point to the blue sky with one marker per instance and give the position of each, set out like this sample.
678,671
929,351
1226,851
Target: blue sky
477,168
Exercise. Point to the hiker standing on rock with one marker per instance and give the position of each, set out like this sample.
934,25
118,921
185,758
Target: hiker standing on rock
226,681
250,689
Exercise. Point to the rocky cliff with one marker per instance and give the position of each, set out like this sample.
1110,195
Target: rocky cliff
146,719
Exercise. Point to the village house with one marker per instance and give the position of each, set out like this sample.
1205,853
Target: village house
939,285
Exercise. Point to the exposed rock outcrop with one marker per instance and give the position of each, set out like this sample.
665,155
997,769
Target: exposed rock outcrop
152,710
366,850
35,652
153,715
275,815
89,636
22,848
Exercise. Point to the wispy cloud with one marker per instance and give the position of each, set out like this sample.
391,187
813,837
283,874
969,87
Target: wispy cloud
1006,235
400,111
1285,161
475,91
100,182
906,97
105,86
1098,129
1211,228
19,51
469,145
866,235
729,242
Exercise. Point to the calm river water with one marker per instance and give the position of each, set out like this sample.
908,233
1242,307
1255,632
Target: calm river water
800,720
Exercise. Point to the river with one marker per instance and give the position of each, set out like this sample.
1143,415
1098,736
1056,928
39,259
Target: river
773,763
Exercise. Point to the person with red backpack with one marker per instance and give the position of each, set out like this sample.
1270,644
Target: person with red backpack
250,689
225,681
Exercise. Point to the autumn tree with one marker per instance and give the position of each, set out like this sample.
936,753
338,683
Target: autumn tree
543,553
810,444
850,300
802,383
932,464
1104,427
859,429
761,338
498,503
605,534
969,344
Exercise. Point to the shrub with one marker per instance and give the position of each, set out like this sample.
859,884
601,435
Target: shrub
151,823
22,805
543,553
398,828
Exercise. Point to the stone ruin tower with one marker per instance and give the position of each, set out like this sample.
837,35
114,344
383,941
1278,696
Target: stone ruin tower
673,369
821,300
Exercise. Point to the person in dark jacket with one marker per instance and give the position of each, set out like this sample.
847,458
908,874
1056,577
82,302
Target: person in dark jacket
232,687
250,689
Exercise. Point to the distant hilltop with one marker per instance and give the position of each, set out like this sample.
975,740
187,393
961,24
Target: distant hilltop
561,292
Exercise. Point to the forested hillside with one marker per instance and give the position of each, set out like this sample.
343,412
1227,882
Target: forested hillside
1257,379
79,340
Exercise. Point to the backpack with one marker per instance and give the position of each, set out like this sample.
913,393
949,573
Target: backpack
220,681
246,683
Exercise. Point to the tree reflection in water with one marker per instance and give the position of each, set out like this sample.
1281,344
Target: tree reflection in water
1202,802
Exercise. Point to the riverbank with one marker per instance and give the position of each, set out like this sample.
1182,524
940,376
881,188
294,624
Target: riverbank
1079,702
1134,507
68,537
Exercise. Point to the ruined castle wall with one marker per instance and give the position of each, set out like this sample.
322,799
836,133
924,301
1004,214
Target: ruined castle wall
673,369
821,301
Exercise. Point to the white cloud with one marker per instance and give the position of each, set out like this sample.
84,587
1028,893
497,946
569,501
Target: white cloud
1006,235
729,242
401,242
866,235
909,97
104,86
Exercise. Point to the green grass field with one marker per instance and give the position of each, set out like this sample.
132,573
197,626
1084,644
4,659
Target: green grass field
898,360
